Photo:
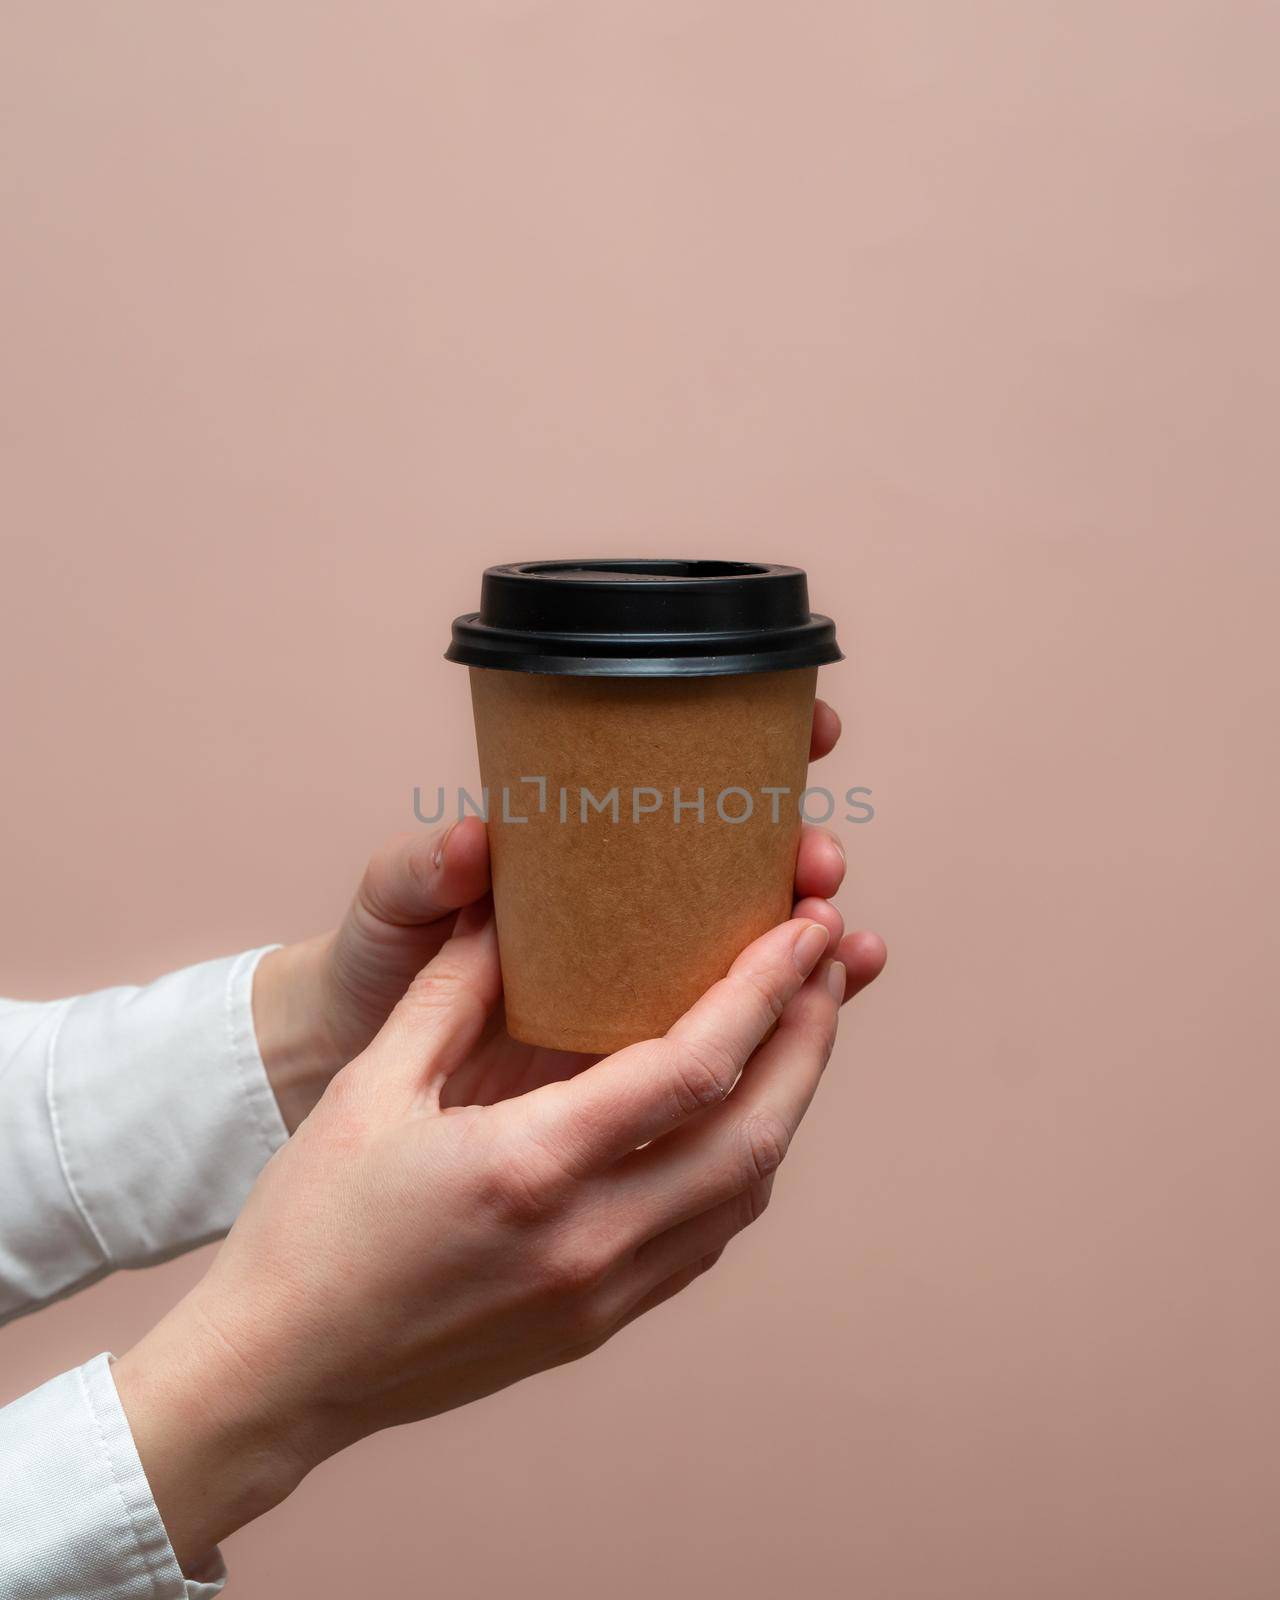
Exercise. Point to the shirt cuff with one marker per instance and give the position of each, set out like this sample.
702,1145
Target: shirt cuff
161,1109
77,1517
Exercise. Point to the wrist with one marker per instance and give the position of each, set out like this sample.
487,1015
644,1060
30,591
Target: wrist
297,1048
217,1448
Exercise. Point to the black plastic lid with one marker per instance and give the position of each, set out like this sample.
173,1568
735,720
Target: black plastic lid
643,619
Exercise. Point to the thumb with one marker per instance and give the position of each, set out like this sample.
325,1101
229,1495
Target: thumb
443,1013
418,878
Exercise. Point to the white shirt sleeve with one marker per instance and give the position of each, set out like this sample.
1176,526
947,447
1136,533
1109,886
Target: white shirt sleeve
77,1520
133,1123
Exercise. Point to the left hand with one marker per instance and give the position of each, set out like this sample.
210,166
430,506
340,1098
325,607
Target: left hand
402,1256
318,1004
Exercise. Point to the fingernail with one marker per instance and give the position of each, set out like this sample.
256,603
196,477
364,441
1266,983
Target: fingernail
809,946
836,976
839,844
438,858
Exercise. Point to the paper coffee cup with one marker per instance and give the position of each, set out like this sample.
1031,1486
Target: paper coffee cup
643,731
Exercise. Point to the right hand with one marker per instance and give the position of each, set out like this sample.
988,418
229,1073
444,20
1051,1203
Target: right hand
399,1256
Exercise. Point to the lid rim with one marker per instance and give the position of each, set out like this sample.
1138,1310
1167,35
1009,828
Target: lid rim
642,667
654,618
594,573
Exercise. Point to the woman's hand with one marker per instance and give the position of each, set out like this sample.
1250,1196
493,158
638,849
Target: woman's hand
318,1004
404,1254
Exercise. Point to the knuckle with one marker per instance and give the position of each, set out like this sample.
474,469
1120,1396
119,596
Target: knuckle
765,1138
703,1074
569,1143
435,988
585,1330
447,986
517,1184
573,1270
765,996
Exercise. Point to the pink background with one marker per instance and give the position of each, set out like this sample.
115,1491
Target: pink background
311,310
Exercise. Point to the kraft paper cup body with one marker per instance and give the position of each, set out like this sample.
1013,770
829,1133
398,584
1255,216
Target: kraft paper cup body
616,906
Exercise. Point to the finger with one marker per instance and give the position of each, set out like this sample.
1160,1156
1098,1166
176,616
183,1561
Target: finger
825,732
420,877
864,956
742,1142
820,863
687,1243
650,1088
444,1010
824,912
666,1290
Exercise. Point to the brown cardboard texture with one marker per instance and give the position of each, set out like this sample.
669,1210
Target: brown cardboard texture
610,929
